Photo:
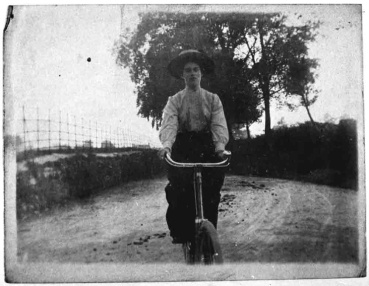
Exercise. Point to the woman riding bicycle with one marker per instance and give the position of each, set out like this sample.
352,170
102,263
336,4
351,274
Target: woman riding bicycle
194,129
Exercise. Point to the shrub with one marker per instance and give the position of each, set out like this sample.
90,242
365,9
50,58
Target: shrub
79,176
325,153
35,192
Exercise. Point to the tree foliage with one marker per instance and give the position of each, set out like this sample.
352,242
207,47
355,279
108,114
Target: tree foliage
255,57
300,81
277,56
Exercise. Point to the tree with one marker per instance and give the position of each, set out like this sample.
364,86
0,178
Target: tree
253,54
160,37
273,49
300,81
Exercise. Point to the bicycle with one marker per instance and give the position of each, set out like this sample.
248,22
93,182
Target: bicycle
204,247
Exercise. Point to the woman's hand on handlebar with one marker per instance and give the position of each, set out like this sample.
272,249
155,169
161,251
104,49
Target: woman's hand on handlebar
163,152
223,154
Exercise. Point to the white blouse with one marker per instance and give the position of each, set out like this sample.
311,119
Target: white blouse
194,111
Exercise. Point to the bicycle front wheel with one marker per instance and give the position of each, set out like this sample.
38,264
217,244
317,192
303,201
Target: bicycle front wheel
208,249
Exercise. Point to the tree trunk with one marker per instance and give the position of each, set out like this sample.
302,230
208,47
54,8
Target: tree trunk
248,130
311,118
266,97
308,110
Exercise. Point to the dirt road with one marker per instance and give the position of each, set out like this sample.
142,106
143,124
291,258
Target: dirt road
260,221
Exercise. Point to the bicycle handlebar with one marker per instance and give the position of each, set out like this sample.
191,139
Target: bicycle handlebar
224,163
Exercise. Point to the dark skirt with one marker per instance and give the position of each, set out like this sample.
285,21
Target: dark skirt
192,147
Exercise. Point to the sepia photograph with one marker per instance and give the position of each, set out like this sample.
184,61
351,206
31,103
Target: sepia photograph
184,143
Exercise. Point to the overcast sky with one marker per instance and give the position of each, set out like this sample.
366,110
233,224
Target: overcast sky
61,58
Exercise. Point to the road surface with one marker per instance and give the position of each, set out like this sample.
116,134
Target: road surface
261,220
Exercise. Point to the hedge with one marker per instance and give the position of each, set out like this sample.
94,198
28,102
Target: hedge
42,186
325,154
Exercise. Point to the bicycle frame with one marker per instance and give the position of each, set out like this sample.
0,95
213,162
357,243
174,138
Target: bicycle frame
196,251
197,181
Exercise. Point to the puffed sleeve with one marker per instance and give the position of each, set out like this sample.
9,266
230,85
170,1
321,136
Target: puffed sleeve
218,125
169,127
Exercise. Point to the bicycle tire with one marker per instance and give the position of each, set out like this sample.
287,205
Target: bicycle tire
207,249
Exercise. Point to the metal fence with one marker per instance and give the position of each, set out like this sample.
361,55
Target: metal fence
62,131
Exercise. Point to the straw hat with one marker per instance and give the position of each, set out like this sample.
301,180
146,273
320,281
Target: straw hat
176,66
